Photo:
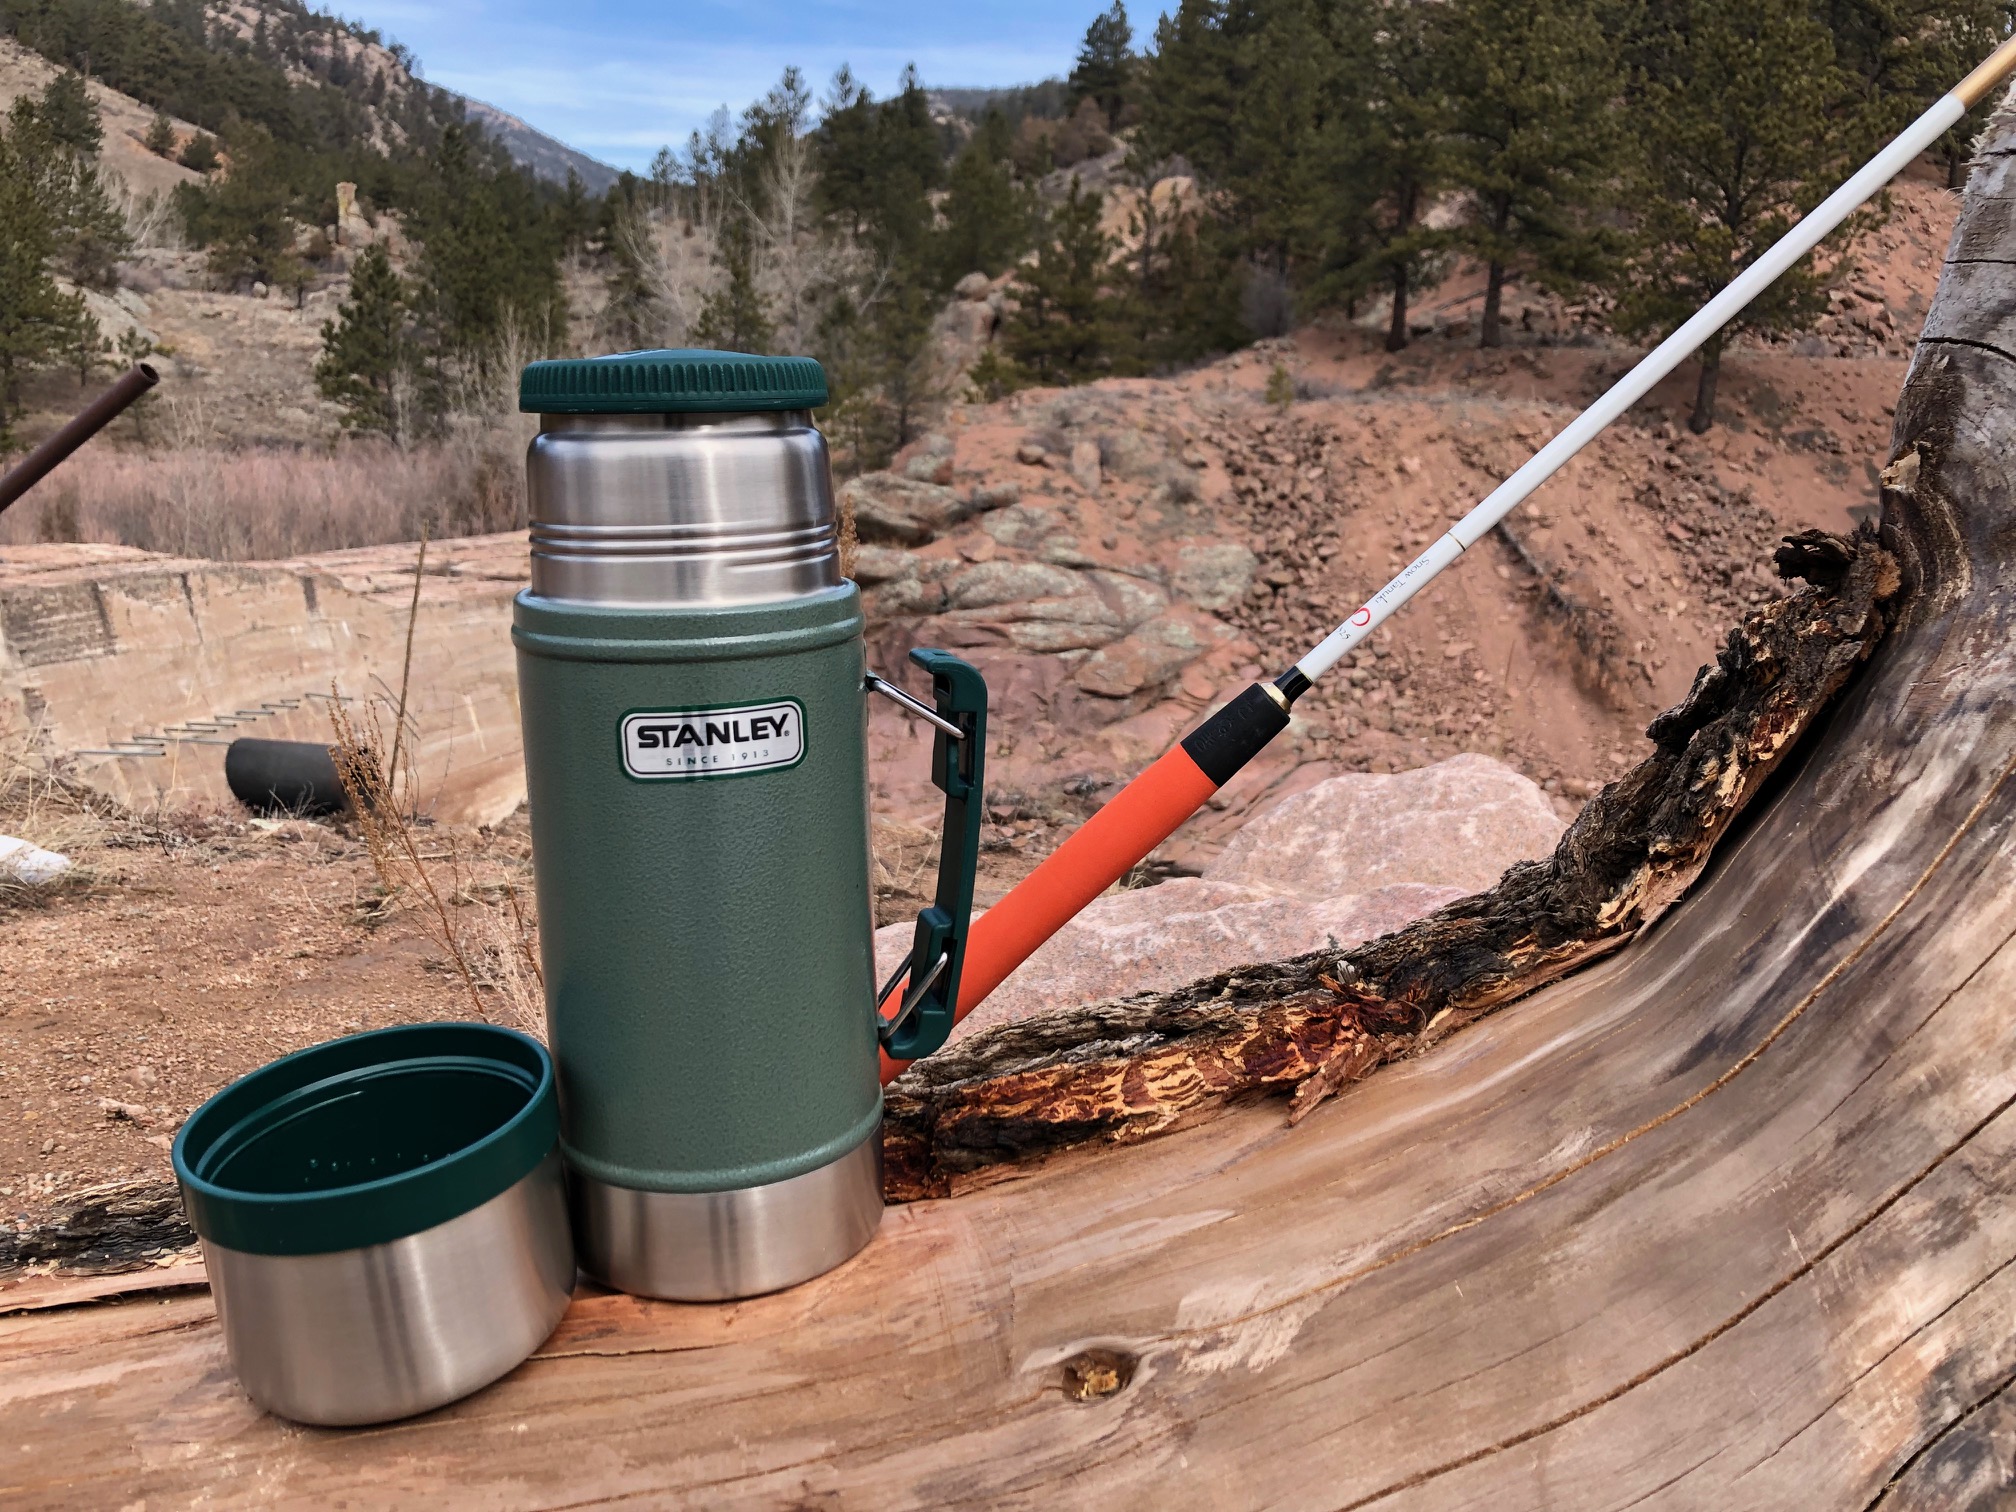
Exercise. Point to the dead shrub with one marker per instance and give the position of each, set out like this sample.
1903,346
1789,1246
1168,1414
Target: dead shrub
466,904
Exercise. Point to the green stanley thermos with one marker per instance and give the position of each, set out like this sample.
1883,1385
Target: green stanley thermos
693,687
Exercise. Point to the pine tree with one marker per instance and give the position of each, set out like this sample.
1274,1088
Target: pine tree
68,115
490,262
199,153
1535,90
1898,56
733,318
36,317
1739,132
1186,301
83,345
1273,105
631,318
988,217
160,138
1069,325
878,163
92,233
575,214
1104,71
1396,167
243,218
366,349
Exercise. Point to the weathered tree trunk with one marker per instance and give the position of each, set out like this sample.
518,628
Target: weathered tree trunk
1396,328
1722,1220
1702,420
1494,306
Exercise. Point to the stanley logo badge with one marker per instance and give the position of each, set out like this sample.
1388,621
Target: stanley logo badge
679,743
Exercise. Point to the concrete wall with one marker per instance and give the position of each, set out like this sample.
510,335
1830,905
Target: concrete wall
99,644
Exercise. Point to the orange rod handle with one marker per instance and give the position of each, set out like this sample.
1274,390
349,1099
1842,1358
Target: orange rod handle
1140,817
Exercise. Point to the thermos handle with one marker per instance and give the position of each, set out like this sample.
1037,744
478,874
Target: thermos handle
958,766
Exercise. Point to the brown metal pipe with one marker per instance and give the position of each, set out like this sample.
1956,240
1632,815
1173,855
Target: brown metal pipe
80,428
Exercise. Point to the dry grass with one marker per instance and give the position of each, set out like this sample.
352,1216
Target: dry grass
470,906
208,500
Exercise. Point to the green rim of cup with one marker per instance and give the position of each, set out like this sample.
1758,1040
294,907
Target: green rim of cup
367,1139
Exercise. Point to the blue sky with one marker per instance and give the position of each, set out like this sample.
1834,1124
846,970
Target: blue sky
619,78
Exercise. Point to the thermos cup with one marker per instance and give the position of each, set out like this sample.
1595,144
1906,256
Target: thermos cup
692,684
382,1218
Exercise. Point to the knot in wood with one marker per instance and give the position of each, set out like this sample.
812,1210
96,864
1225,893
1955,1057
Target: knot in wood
1097,1373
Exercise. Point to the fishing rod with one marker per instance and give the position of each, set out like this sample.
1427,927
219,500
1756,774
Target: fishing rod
1152,807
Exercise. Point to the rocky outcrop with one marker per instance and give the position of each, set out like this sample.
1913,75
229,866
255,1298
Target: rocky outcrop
902,510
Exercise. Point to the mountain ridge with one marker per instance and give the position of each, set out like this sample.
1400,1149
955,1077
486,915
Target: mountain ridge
543,154
341,80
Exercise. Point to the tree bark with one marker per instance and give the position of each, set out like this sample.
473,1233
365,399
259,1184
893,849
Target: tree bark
1494,301
1396,329
1703,418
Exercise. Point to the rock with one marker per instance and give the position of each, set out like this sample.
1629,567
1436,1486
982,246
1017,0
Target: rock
1064,551
1030,454
351,229
1458,823
874,565
1021,527
991,583
969,325
259,290
29,865
1156,938
1077,621
992,496
1129,665
908,595
931,462
1214,577
1345,861
902,511
1131,452
115,316
974,286
1085,465
1135,600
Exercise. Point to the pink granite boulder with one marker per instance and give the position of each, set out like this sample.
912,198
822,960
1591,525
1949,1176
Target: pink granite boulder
1345,861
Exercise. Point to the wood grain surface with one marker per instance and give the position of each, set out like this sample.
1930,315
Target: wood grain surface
1721,1220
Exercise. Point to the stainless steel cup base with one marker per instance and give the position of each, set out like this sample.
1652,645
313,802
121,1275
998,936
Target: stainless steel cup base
714,1246
368,1335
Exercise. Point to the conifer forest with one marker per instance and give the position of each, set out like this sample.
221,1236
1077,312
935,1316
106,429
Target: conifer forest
1287,158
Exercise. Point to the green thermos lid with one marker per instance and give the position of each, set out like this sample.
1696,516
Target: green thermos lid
669,382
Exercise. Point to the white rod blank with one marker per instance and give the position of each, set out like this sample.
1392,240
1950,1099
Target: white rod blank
1634,385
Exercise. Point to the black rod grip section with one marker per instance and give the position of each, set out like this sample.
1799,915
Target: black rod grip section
1235,734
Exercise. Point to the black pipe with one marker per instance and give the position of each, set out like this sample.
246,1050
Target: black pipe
284,776
75,431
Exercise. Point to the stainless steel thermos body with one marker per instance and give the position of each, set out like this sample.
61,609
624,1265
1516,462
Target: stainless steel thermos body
691,672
